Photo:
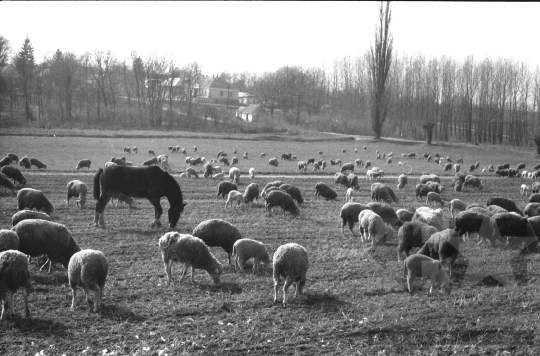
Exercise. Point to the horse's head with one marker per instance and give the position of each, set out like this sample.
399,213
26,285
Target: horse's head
174,214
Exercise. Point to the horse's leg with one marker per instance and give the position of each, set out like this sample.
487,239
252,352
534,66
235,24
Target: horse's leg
100,207
158,212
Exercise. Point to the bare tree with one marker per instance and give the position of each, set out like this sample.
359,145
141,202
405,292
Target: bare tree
380,59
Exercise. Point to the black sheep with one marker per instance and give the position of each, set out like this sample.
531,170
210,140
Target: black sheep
413,234
25,162
225,187
293,191
534,198
325,191
386,212
15,174
14,157
516,228
349,215
505,204
473,221
422,190
6,161
218,233
442,245
36,162
281,199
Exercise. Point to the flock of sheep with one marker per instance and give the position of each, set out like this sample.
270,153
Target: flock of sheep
34,233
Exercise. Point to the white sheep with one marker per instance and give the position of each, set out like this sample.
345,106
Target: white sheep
292,263
191,173
234,175
76,188
402,181
163,161
524,189
235,196
14,274
252,173
421,266
433,197
433,217
244,249
458,205
192,252
372,226
88,269
349,196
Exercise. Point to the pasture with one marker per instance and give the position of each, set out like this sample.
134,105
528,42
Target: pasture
355,300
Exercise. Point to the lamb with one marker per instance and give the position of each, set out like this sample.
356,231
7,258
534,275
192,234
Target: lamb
163,161
420,266
192,252
235,196
78,189
473,181
532,209
37,163
294,192
373,227
433,217
28,214
347,167
88,269
324,191
224,188
402,181
316,167
456,205
433,197
251,193
244,249
234,175
386,212
524,190
25,162
442,245
282,199
302,166
473,221
273,162
218,233
252,173
505,204
349,214
349,196
404,215
38,237
516,228
14,274
34,199
358,162
14,173
6,183
413,234
8,240
83,163
290,262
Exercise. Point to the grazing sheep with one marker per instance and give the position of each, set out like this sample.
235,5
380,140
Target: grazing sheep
14,157
151,152
413,234
245,155
505,204
235,196
251,193
372,227
495,209
502,172
208,170
448,167
234,161
245,249
117,161
37,163
358,162
150,162
353,181
456,205
276,183
442,245
191,173
520,166
535,187
6,161
290,262
325,191
379,192
38,237
88,269
347,167
316,167
433,217
286,156
402,181
473,181
516,228
310,160
194,148
524,190
349,196
422,190
420,266
386,212
14,274
475,220
302,166
223,160
532,209
15,174
6,183
273,162
8,240
281,199
341,179
25,162
83,163
294,192
224,188
404,215
367,165
436,187
429,178
433,197
349,214
263,155
234,175
192,252
28,214
135,150
218,233
534,198
78,189
34,199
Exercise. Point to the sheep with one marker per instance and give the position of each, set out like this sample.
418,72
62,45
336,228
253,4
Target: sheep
302,166
535,187
281,199
325,192
516,228
402,181
386,212
83,163
223,160
32,198
235,196
208,171
216,169
442,245
456,205
404,215
14,173
252,173
502,172
218,175
37,163
151,162
14,157
28,214
433,197
349,214
244,249
532,209
251,193
127,150
234,161
25,162
151,152
520,166
534,198
413,234
420,266
457,167
474,221
389,161
245,155
433,217
310,160
505,204
198,160
422,190
448,167
292,263
6,161
38,237
347,167
358,162
341,179
429,178
8,240
372,227
14,274
263,155
135,150
349,196
276,183
379,192
524,190
234,175
273,162
88,269
294,192
224,188
473,181
78,189
117,161
192,252
316,167
194,148
286,156
367,164
6,183
218,233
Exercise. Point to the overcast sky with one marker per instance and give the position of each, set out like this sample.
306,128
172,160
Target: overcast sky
264,36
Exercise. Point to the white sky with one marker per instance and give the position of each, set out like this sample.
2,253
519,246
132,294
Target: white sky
264,36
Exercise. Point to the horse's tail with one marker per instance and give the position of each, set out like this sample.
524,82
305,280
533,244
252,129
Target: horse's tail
97,185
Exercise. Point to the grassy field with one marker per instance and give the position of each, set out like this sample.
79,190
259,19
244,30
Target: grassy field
355,301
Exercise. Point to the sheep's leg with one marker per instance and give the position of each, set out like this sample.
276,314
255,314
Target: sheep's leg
4,307
256,265
73,297
193,275
410,280
26,309
286,286
11,296
300,287
168,265
276,286
184,272
227,204
97,299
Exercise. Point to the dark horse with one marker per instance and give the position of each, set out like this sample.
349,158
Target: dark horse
138,182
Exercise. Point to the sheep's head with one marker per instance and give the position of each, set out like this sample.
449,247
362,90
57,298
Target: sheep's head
215,272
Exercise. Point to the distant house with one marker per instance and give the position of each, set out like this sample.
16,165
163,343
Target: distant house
216,90
245,98
175,87
252,113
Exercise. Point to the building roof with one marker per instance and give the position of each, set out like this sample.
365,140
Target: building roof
241,109
251,109
176,82
216,83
